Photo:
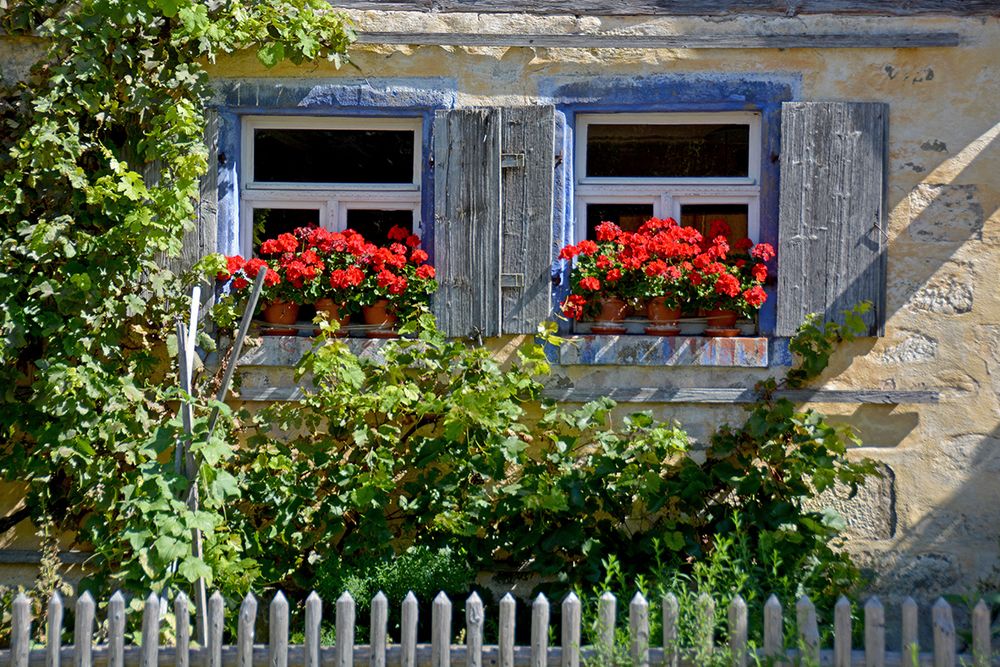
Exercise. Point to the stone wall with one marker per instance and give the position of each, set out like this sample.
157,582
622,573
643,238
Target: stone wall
932,523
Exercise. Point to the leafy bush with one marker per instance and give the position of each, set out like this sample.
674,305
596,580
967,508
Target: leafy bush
437,445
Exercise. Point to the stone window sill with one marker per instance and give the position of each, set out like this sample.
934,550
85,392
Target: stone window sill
581,350
630,350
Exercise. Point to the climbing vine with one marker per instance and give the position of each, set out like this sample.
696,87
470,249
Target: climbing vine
86,302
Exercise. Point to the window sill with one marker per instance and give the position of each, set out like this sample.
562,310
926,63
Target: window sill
629,350
579,350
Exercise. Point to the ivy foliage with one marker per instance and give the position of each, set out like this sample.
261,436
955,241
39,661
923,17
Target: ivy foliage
101,152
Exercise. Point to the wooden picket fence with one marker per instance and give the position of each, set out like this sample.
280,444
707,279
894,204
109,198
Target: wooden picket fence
380,652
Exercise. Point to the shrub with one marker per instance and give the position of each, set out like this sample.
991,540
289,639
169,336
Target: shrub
437,445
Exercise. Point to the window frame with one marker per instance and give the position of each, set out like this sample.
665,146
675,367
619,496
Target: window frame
751,118
333,200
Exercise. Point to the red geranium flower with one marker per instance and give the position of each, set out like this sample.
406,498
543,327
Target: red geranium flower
727,284
425,271
587,247
418,256
590,283
413,241
398,233
233,264
607,231
763,252
569,252
759,272
755,296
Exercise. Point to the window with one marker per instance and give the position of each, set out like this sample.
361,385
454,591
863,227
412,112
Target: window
693,167
339,173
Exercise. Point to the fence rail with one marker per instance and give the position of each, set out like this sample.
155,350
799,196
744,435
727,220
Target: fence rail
441,652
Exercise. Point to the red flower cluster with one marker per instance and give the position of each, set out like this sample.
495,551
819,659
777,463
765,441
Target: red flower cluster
663,258
312,263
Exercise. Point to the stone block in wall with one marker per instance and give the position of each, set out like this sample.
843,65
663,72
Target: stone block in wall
928,285
871,513
945,213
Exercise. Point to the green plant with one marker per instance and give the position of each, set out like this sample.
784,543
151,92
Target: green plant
101,151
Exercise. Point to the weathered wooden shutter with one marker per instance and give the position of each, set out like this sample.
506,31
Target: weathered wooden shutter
201,239
831,222
493,219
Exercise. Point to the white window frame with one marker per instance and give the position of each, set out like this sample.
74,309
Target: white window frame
333,200
668,194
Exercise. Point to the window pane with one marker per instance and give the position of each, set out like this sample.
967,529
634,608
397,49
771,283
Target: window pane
269,222
627,216
374,224
333,156
702,215
664,151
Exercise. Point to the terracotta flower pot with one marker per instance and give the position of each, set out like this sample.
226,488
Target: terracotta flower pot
280,312
331,311
380,315
663,321
722,323
612,314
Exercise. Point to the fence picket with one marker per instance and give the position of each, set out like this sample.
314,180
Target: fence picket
506,638
874,633
216,618
441,631
54,631
842,633
379,627
671,610
738,631
408,631
20,633
246,624
313,622
344,643
638,626
474,619
606,627
83,631
981,634
182,625
570,641
539,631
805,616
150,631
944,634
277,647
774,636
909,647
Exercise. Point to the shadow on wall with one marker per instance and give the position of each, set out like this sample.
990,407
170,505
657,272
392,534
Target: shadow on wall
932,526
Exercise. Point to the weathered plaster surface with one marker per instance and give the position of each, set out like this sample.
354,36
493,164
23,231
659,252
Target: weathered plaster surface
943,245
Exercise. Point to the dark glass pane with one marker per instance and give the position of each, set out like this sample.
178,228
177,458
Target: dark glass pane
627,216
333,156
375,224
269,222
702,215
679,151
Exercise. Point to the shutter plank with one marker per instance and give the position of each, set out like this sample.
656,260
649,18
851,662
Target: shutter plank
467,221
831,252
528,150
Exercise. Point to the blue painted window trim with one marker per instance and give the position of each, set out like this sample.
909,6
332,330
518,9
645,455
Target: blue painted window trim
669,93
360,98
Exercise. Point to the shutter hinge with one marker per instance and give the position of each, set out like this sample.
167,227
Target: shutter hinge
511,160
511,280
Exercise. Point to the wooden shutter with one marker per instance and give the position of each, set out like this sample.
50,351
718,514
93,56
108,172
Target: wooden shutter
528,167
467,221
202,238
831,222
493,219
